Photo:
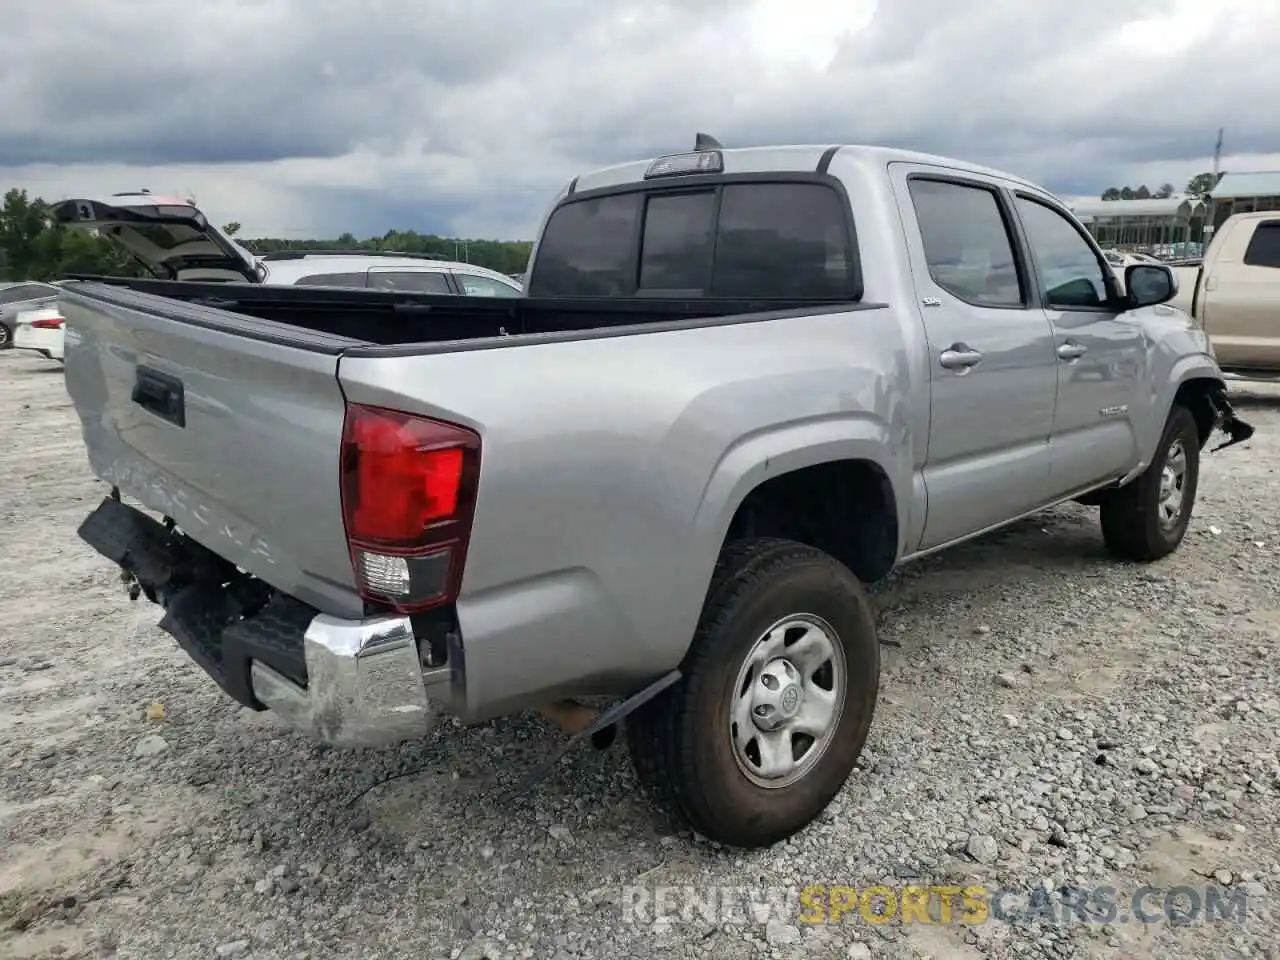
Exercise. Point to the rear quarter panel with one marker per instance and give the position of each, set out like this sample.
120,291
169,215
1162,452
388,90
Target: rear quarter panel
610,470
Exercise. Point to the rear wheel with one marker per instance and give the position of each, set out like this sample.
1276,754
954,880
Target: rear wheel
1148,518
6,337
776,700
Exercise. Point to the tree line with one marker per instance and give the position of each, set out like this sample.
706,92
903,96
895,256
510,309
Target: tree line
33,247
1198,187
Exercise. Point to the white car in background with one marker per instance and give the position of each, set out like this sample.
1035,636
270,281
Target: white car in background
41,331
1120,260
15,298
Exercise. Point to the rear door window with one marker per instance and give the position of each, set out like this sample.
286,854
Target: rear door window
411,281
758,240
967,244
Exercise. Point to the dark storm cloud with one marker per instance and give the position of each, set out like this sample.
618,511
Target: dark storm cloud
504,101
238,81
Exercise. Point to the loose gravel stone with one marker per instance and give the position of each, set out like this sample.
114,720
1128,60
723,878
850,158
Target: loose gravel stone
150,745
240,838
983,848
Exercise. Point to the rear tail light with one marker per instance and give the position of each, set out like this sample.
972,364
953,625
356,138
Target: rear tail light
408,497
49,323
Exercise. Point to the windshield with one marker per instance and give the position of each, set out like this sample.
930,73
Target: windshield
758,240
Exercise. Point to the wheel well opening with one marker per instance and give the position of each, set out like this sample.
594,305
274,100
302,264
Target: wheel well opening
844,508
1194,395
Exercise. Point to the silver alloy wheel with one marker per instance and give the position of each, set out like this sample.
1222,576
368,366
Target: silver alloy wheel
1173,481
788,700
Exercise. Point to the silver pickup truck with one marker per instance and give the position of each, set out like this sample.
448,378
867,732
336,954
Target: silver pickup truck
743,384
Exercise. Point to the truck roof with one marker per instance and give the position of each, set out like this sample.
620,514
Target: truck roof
278,269
788,159
369,261
1252,215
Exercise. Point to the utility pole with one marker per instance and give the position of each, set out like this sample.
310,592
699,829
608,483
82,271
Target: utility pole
1211,214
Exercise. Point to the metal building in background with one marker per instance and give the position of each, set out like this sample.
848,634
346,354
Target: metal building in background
1245,192
1163,227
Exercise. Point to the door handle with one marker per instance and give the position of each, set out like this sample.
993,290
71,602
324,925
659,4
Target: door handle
1071,350
960,356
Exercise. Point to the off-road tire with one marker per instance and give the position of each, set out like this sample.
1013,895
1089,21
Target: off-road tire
680,742
1131,526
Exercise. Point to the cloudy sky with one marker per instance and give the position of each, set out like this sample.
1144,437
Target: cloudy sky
313,117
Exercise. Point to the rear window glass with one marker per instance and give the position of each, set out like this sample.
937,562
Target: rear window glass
167,236
676,246
588,249
783,240
748,240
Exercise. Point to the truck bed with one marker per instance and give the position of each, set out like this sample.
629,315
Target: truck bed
365,322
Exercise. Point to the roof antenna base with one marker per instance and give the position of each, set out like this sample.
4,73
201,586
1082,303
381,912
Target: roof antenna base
704,141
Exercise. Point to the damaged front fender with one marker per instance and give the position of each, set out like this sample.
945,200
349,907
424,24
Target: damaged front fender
1225,419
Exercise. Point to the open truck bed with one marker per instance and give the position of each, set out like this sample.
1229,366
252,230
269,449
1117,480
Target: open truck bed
362,322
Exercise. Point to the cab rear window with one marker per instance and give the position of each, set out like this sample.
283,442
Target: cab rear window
758,240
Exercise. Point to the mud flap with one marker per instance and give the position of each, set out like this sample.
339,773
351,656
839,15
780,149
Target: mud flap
608,719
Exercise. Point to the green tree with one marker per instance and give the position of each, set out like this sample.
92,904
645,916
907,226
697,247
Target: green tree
232,228
1165,191
1111,193
1200,185
23,220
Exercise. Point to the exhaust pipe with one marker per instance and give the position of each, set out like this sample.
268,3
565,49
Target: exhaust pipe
573,717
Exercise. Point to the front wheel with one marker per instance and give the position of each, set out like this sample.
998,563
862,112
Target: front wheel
775,702
1148,518
6,337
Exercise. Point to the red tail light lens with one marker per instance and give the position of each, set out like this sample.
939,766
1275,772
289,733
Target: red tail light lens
408,495
49,323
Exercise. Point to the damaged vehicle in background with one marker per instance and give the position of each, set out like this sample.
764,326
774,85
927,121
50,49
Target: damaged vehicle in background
743,384
173,239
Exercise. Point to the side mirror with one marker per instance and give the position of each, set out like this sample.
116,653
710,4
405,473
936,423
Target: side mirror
1147,284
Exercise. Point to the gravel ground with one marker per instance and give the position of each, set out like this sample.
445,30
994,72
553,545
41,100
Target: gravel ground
1049,717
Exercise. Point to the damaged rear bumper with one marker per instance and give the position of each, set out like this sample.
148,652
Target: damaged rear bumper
349,683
